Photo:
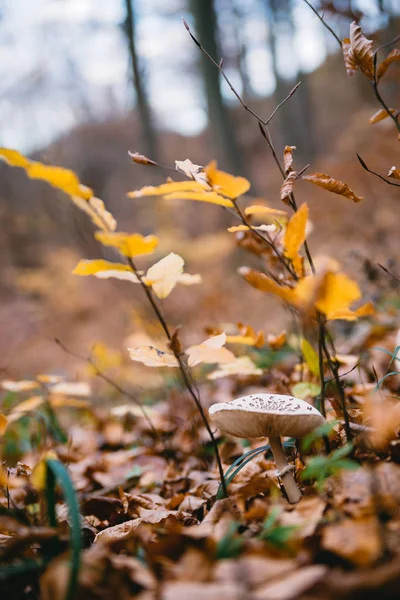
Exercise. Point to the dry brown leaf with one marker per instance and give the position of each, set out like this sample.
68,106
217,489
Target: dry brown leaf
287,187
356,540
349,62
360,51
288,158
393,56
192,171
394,173
380,115
332,185
293,585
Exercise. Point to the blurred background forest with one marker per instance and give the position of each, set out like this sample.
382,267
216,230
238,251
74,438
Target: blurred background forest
84,81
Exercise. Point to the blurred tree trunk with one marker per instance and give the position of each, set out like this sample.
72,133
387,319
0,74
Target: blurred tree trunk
148,136
206,28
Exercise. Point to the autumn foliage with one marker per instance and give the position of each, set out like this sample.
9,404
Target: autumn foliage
148,499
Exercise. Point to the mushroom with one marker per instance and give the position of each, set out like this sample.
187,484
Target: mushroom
272,416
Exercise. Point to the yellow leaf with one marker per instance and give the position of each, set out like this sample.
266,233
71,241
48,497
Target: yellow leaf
360,51
129,245
336,294
224,183
49,379
394,173
243,366
332,185
190,279
93,267
152,357
71,388
39,474
393,56
380,115
210,197
63,179
247,335
295,236
288,158
287,186
121,275
211,351
237,228
264,211
65,401
168,188
264,283
94,207
164,275
310,356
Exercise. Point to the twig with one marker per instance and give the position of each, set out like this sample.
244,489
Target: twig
334,367
364,166
389,272
322,380
325,24
182,368
110,381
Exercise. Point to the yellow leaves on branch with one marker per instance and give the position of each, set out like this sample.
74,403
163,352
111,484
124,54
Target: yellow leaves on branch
204,184
162,276
357,51
66,181
332,185
130,245
295,236
329,293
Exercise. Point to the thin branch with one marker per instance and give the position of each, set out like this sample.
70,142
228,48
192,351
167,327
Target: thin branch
334,368
389,273
364,166
110,381
325,24
387,44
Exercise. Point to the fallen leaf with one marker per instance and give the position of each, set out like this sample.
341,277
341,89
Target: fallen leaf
356,540
293,585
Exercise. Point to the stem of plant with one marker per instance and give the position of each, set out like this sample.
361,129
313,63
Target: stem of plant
183,371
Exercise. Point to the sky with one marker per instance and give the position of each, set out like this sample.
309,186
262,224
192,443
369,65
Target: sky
64,62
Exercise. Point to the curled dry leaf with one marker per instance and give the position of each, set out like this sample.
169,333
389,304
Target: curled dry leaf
210,352
332,185
393,56
140,159
152,357
349,62
288,158
361,51
192,171
287,187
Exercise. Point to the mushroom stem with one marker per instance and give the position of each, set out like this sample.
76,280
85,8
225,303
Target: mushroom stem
292,491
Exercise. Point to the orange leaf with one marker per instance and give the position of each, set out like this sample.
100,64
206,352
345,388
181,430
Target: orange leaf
394,173
210,197
288,158
380,115
265,284
393,56
168,188
332,185
130,245
349,61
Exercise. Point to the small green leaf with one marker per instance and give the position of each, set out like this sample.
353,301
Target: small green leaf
306,389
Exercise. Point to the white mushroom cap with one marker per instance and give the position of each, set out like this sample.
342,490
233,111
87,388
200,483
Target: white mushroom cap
266,415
